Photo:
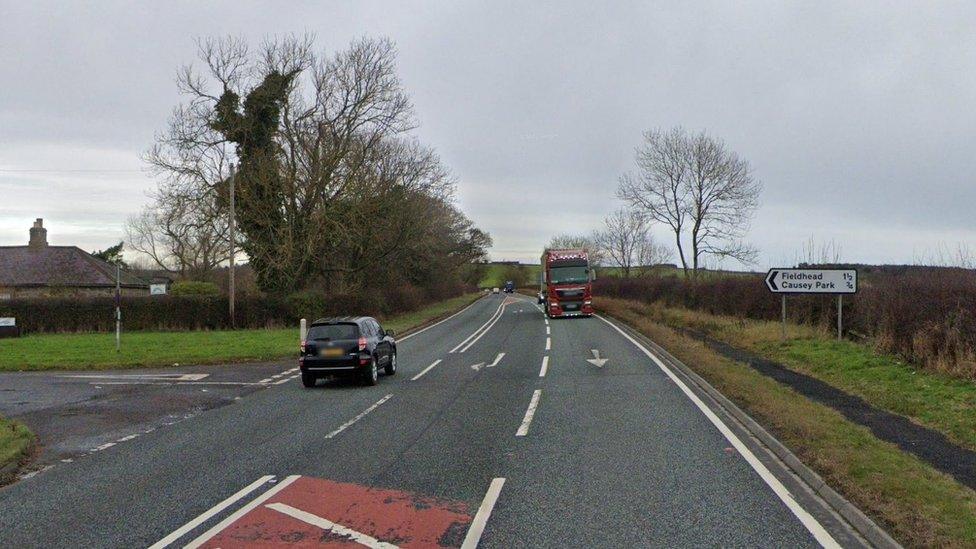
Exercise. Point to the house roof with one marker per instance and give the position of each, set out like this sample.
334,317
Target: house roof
62,266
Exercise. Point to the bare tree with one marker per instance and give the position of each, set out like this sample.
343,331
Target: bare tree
626,242
703,191
579,241
650,254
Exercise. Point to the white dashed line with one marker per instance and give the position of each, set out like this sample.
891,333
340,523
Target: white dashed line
547,330
361,415
481,517
545,366
425,370
529,414
548,343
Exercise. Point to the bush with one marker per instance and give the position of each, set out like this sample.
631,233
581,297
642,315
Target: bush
194,287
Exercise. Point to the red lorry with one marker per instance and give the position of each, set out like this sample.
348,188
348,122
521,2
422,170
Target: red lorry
566,283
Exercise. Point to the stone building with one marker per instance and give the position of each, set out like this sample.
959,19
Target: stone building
41,270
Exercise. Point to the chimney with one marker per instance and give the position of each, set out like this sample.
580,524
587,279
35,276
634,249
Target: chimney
38,235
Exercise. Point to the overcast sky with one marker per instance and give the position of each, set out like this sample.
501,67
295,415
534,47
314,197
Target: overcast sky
858,117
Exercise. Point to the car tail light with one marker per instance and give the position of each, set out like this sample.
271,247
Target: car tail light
303,347
362,343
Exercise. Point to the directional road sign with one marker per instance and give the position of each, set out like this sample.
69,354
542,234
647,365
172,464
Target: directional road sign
812,281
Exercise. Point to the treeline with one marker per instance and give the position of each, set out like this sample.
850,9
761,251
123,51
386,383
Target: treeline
333,194
929,318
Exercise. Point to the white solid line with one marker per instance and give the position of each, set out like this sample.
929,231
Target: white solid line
491,319
497,360
361,415
266,380
490,326
241,512
206,515
477,527
548,343
408,336
811,523
284,380
326,524
425,370
529,413
545,366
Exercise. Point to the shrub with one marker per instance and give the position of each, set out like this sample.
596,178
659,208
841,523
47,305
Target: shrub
194,287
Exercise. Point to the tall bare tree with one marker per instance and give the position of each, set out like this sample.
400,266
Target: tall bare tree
702,190
626,242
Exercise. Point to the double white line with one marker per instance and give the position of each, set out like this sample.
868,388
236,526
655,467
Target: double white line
482,330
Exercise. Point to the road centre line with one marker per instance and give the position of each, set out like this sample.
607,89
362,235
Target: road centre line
241,512
548,343
280,381
330,526
408,336
545,366
425,370
529,414
206,515
811,523
361,415
480,520
547,330
494,316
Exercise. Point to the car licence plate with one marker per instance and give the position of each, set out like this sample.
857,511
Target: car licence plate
332,352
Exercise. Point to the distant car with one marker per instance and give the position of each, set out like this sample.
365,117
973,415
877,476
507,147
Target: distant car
494,290
347,346
509,287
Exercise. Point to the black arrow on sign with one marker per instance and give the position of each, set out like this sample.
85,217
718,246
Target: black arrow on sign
769,280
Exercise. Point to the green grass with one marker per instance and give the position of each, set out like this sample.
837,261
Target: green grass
918,505
930,398
15,441
97,351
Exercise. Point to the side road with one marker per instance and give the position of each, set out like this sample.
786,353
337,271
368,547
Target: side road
78,413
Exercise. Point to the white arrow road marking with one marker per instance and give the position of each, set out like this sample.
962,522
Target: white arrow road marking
529,414
477,366
327,524
497,360
143,377
596,360
481,517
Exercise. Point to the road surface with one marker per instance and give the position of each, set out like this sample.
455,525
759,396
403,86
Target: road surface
501,429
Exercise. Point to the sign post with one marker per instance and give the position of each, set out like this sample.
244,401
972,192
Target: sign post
813,281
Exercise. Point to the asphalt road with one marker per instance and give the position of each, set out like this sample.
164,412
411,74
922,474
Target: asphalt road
540,447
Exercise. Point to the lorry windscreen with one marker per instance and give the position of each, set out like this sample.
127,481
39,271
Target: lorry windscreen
568,275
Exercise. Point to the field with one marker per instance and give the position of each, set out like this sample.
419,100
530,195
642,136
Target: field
920,506
81,351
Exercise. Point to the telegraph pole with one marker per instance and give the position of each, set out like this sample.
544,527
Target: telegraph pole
233,228
118,308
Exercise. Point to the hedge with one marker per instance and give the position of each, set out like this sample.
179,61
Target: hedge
49,315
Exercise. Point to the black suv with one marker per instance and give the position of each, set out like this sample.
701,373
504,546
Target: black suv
351,345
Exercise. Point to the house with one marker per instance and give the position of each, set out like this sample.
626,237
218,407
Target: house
41,270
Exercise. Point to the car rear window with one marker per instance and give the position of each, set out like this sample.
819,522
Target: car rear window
333,332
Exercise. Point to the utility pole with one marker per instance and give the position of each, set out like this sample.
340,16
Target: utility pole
118,308
233,228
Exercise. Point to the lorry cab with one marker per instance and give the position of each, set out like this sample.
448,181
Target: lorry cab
567,283
509,287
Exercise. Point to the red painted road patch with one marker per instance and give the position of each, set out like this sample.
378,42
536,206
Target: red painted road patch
313,512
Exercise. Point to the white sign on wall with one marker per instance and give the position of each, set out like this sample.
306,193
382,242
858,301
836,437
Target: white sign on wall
157,289
8,321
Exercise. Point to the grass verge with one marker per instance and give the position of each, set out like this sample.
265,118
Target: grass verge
143,349
918,505
15,444
933,399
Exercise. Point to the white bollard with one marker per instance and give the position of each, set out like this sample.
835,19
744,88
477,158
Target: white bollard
302,329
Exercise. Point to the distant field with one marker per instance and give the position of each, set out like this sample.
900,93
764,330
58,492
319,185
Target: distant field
80,351
495,274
